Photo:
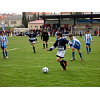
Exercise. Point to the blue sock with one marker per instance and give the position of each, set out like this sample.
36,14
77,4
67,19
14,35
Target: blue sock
3,54
73,54
6,53
80,54
87,49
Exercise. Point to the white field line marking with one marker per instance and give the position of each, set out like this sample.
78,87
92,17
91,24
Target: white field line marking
11,49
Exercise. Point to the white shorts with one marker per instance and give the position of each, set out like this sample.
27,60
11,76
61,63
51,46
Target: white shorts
65,37
60,54
33,42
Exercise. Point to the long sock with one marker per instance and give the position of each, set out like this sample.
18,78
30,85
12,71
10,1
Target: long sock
46,45
34,49
80,54
3,54
62,64
63,61
73,54
87,49
6,54
43,45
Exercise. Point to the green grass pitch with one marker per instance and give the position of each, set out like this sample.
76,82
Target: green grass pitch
23,68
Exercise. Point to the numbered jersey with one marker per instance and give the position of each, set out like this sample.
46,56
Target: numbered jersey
88,38
32,37
61,44
3,40
75,42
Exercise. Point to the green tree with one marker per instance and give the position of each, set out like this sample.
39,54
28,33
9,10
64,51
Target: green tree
35,17
24,20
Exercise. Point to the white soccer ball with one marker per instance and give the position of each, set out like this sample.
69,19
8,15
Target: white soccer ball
45,69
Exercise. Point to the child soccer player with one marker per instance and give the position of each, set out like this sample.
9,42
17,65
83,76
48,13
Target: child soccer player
65,34
3,42
32,39
61,44
75,44
88,39
45,38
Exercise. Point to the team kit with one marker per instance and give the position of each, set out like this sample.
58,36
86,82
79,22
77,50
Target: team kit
60,43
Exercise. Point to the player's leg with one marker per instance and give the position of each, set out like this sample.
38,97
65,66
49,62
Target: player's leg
73,53
34,47
89,49
78,48
6,53
47,44
63,63
43,44
80,54
3,52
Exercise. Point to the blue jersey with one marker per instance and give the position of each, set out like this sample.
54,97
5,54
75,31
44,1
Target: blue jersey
3,43
76,43
61,44
88,38
32,37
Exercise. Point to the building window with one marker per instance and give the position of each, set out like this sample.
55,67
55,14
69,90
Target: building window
13,22
6,22
36,26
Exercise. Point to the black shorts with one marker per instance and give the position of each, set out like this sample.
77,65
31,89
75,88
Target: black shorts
45,39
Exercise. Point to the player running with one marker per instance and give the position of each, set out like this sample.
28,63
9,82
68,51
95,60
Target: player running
61,47
32,39
3,42
65,34
45,38
88,39
75,45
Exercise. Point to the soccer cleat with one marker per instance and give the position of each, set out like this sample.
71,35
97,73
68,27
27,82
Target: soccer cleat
72,59
87,53
81,59
63,69
34,52
6,57
66,63
43,48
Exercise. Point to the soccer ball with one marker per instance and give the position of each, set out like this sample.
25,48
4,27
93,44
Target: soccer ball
45,69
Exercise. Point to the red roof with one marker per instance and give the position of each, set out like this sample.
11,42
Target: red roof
37,21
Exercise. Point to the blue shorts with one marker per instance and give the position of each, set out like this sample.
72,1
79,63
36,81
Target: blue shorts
78,47
88,43
4,47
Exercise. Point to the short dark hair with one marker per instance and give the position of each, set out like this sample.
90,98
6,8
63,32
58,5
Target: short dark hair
3,31
59,34
70,35
31,30
87,30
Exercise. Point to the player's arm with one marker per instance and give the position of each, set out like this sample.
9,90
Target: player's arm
91,39
85,38
69,43
53,47
41,36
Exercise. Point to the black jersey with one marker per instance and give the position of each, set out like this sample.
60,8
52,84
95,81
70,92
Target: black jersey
61,44
32,37
45,35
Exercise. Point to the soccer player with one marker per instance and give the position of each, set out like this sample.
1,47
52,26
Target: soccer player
61,47
3,42
56,34
45,38
65,34
32,39
88,39
75,45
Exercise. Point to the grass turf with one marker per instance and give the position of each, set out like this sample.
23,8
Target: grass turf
23,68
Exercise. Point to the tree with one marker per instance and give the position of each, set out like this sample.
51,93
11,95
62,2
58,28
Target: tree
24,20
34,17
